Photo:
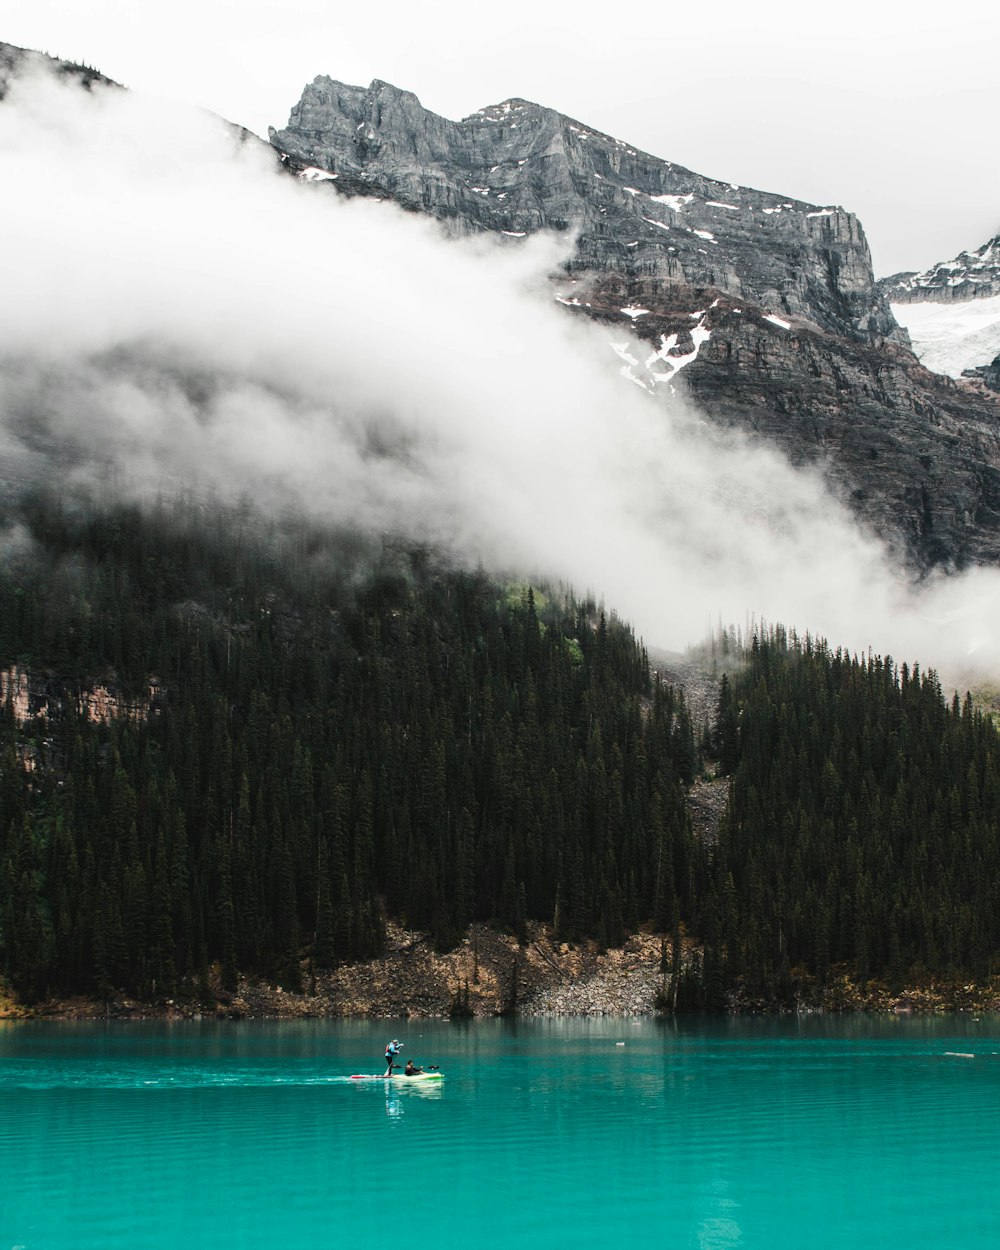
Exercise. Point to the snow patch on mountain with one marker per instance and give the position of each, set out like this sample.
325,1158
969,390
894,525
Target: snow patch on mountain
950,337
674,202
675,360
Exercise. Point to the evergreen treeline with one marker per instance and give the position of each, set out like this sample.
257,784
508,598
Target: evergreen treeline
321,749
862,827
321,739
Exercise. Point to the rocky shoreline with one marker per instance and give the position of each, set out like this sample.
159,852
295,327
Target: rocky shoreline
490,974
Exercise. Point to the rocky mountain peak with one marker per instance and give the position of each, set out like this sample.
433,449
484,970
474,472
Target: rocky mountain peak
502,111
642,223
768,304
970,275
761,306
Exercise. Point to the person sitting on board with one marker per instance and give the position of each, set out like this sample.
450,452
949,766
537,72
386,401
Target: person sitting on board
412,1070
391,1054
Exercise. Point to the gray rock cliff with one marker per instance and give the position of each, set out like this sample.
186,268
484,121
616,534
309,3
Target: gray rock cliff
971,275
988,375
793,338
763,307
516,168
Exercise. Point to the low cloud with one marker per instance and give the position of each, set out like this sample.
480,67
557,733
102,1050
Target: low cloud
178,316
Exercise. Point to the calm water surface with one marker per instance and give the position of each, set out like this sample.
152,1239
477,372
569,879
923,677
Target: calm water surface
767,1135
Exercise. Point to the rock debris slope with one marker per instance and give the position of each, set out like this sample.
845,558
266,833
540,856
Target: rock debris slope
768,304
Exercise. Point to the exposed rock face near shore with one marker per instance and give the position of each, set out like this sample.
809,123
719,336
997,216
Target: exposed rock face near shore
414,981
411,979
499,976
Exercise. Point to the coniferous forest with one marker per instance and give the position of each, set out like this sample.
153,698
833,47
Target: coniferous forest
300,736
322,738
861,833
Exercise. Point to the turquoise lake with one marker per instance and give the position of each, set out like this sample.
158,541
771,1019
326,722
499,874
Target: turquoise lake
768,1134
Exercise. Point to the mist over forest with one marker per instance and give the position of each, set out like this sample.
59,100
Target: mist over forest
184,319
330,552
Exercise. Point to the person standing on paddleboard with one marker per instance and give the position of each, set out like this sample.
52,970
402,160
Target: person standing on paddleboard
391,1054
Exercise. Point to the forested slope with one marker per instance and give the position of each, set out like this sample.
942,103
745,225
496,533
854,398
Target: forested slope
862,828
241,748
302,743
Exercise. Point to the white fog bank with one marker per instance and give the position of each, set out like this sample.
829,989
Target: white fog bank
177,315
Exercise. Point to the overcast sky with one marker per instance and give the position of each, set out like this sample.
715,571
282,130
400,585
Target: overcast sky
886,108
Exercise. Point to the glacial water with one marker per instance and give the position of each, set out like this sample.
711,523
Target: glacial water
554,1133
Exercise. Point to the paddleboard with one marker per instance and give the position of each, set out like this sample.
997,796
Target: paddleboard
398,1076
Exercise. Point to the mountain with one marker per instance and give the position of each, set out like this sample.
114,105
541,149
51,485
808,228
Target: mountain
971,275
239,746
516,168
769,305
328,740
952,312
332,748
15,60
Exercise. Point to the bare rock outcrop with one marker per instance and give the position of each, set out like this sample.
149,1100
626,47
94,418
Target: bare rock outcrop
769,303
970,275
517,167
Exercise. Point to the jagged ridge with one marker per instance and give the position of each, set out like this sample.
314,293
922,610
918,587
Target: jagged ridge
518,167
795,339
971,275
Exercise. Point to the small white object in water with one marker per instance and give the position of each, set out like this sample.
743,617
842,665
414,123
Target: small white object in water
619,1043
